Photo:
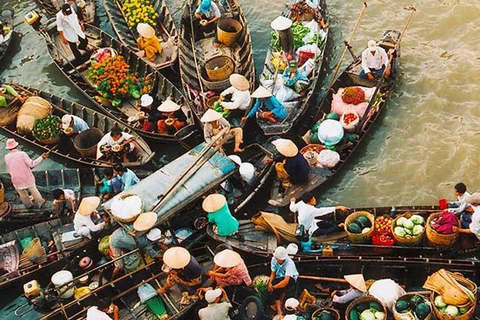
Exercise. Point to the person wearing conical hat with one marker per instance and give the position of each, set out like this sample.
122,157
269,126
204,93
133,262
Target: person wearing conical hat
83,223
266,107
150,115
219,214
147,42
357,289
172,117
182,268
229,269
214,123
294,79
239,90
291,166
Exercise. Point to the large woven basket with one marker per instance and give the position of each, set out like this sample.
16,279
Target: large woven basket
357,301
441,316
442,241
86,142
359,237
132,218
33,108
398,316
217,86
35,252
228,30
8,115
412,240
219,68
332,311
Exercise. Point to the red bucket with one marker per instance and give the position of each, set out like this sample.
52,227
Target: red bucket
443,204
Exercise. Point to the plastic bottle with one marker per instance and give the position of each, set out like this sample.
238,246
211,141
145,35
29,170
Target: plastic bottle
393,212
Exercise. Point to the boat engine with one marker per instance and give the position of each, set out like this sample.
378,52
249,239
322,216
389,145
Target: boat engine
38,298
33,18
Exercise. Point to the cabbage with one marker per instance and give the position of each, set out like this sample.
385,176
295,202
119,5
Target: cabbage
439,302
401,221
408,224
408,231
418,229
379,315
451,310
399,231
367,315
416,219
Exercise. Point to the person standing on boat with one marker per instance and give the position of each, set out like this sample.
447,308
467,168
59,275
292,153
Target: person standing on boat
83,223
294,79
374,62
229,270
291,166
283,277
474,227
357,289
301,7
127,176
148,42
218,304
310,217
214,123
19,166
276,111
71,31
115,145
218,213
240,95
208,14
172,117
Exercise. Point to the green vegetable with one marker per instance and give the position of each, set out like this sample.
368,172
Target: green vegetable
422,310
409,232
362,307
314,138
367,315
401,306
400,221
400,231
325,315
408,224
379,315
375,305
135,93
439,302
416,219
451,310
46,128
333,116
463,310
354,228
116,102
353,315
418,229
364,222
315,127
415,300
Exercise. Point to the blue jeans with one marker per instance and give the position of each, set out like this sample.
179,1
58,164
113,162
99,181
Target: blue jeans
377,73
466,219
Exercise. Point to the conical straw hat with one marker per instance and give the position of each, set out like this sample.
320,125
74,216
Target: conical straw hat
227,259
261,92
211,115
281,23
357,281
145,30
286,147
168,106
145,221
176,257
239,82
214,202
88,205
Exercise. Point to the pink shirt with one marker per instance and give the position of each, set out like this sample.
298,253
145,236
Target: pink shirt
237,275
19,166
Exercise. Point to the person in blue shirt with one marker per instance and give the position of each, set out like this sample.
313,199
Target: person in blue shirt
294,79
128,177
291,166
276,111
110,184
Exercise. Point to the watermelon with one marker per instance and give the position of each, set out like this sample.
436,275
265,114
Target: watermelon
315,127
354,228
422,310
364,222
325,315
314,138
353,315
401,306
362,307
375,305
415,300
333,116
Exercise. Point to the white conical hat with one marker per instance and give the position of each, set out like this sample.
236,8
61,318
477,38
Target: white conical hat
214,202
145,221
286,147
88,205
168,106
357,281
211,115
176,257
227,259
261,92
239,82
281,23
145,30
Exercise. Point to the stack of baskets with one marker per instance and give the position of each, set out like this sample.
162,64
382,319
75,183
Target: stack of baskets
359,237
442,241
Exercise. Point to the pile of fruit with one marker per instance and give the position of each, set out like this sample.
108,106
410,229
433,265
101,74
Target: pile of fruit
349,118
449,309
415,306
360,225
383,225
139,11
325,315
299,32
409,227
46,128
367,311
353,95
112,77
217,106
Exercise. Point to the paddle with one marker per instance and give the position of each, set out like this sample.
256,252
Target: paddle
382,77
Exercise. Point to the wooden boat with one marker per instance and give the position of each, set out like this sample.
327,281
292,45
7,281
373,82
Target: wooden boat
156,84
143,153
345,148
194,54
298,106
259,241
165,30
6,17
52,7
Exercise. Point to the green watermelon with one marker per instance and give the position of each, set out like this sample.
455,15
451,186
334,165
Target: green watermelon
375,305
401,306
325,315
315,127
362,307
353,315
364,222
415,300
354,228
333,116
422,310
314,138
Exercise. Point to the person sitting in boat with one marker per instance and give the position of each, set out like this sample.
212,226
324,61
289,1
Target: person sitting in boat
460,207
293,312
214,123
229,270
83,223
357,289
283,277
150,115
148,42
374,62
310,217
76,125
2,33
127,176
218,304
291,166
294,79
116,145
8,94
265,100
71,31
218,213
240,95
110,184
301,7
181,267
207,15
103,310
64,199
474,227
172,118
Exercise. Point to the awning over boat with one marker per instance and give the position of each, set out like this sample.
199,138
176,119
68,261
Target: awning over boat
214,171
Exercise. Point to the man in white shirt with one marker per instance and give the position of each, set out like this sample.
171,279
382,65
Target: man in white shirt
82,222
374,62
239,90
71,31
106,146
216,309
474,227
102,310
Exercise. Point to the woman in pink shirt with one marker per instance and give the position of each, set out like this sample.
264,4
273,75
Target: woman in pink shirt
19,166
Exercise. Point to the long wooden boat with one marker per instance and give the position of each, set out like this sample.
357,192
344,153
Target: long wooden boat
6,17
259,241
158,86
165,29
143,153
52,7
345,148
298,106
194,54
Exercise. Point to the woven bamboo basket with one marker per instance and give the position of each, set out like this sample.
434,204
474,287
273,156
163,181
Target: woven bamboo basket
86,142
357,301
8,115
33,108
359,237
214,85
412,240
212,100
441,316
133,217
398,316
219,68
228,30
442,241
332,311
35,252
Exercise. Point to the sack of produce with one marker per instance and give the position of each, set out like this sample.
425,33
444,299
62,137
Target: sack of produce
359,226
412,306
408,229
387,291
366,308
127,208
32,109
349,121
328,158
330,132
46,130
339,105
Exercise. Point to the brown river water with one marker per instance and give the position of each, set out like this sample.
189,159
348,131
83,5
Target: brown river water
426,140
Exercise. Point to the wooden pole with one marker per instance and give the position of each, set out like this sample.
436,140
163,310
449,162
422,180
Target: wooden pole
322,279
199,78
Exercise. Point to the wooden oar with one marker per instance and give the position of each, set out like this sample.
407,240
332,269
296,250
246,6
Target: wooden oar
382,77
322,279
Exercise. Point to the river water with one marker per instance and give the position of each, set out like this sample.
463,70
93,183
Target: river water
426,140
